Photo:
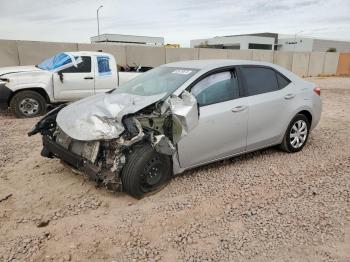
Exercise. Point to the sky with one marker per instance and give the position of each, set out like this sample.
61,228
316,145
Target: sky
178,21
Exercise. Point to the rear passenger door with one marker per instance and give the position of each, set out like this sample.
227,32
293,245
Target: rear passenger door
269,97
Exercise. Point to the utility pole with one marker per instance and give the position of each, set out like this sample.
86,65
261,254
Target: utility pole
98,23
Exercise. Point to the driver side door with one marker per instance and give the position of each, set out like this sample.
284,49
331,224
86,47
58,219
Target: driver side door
222,126
75,82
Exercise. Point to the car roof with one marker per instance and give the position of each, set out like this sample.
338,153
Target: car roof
210,64
214,63
88,53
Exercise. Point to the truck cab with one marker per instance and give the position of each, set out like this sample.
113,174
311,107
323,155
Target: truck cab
65,77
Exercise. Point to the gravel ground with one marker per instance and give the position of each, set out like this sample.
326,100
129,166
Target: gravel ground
263,206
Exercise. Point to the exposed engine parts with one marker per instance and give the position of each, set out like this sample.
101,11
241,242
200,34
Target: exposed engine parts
160,125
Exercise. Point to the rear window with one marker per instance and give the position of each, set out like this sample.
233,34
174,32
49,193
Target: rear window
282,80
259,80
103,66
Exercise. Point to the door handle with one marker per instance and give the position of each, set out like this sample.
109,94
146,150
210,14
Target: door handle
238,109
289,96
88,77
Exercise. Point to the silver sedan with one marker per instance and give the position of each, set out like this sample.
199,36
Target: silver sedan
179,116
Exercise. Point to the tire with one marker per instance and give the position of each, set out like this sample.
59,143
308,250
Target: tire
27,104
146,171
294,140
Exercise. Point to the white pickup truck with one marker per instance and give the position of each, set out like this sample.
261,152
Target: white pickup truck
65,77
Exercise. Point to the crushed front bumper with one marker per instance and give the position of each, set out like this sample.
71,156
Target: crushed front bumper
52,149
5,94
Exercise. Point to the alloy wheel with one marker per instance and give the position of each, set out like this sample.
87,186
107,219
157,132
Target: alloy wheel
298,133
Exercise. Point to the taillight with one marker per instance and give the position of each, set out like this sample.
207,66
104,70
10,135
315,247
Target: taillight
317,90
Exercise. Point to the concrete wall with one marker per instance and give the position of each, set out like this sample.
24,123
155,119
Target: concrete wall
180,54
145,56
13,53
330,63
32,52
240,54
344,64
316,63
119,52
211,53
284,59
300,64
263,55
8,53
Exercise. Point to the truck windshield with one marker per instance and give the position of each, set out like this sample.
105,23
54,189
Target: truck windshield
157,81
59,61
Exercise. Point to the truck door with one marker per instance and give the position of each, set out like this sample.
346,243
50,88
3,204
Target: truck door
75,82
106,74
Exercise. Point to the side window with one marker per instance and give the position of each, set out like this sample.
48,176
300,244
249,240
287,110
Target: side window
282,80
259,80
83,67
103,66
216,88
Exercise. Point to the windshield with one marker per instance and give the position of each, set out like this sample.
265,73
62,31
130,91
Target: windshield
157,81
57,62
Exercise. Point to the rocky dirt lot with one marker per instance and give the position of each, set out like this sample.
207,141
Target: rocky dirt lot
264,206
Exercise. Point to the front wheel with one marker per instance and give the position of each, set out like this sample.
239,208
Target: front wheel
28,104
146,171
296,135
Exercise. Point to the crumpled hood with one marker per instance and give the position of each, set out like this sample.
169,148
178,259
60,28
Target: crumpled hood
99,116
4,71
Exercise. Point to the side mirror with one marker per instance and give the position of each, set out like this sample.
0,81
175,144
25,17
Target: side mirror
60,74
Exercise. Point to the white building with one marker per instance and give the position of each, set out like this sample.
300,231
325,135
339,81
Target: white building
272,41
128,40
236,42
307,44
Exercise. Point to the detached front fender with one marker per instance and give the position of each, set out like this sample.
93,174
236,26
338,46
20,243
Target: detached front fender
185,113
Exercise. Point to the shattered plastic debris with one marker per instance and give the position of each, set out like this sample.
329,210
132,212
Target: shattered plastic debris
135,139
163,145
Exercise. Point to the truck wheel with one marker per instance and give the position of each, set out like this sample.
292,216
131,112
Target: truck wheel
28,104
146,171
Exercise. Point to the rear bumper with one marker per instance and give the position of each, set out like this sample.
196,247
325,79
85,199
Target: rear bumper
316,112
52,149
5,94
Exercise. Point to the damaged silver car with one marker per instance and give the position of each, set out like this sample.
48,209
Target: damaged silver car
179,116
124,139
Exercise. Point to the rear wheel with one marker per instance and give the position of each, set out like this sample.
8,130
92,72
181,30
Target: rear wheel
296,135
146,171
28,104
